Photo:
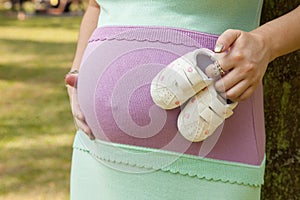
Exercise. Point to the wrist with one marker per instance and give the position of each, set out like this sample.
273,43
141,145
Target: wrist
74,68
267,39
264,39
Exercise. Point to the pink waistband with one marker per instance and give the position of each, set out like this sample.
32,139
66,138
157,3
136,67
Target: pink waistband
155,34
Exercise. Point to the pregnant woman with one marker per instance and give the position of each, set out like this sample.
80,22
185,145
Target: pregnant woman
126,147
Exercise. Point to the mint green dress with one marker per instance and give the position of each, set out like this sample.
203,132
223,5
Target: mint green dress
103,170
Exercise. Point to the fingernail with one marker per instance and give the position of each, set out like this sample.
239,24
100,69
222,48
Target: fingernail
218,48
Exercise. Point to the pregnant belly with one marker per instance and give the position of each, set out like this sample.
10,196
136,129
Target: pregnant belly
114,95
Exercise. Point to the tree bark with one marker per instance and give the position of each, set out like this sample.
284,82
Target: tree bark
282,115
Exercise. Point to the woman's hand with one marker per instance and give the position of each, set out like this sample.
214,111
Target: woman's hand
79,119
244,58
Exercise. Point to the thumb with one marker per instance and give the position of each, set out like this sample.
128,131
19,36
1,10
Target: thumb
71,79
226,40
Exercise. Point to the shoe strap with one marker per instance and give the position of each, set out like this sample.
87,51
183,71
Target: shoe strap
194,76
223,110
211,117
216,102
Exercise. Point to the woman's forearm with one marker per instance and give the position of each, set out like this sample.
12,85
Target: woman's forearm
281,35
88,25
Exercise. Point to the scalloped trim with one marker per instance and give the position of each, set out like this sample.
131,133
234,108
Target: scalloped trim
184,164
140,40
167,170
164,35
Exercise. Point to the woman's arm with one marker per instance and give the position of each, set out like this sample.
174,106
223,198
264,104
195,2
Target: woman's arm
249,53
88,25
282,34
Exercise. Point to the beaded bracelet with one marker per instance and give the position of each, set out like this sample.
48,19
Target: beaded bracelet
75,71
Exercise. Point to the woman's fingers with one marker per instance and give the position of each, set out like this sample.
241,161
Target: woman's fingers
79,119
237,90
84,127
78,115
246,94
226,39
234,82
240,92
240,70
218,69
213,71
228,81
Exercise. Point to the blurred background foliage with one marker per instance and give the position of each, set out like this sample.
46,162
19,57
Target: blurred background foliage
52,7
36,128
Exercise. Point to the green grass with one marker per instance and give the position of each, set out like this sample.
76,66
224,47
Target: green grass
36,127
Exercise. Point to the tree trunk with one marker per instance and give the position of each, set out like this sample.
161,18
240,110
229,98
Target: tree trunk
282,115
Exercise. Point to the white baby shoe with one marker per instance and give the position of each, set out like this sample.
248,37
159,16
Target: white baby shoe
182,79
203,114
